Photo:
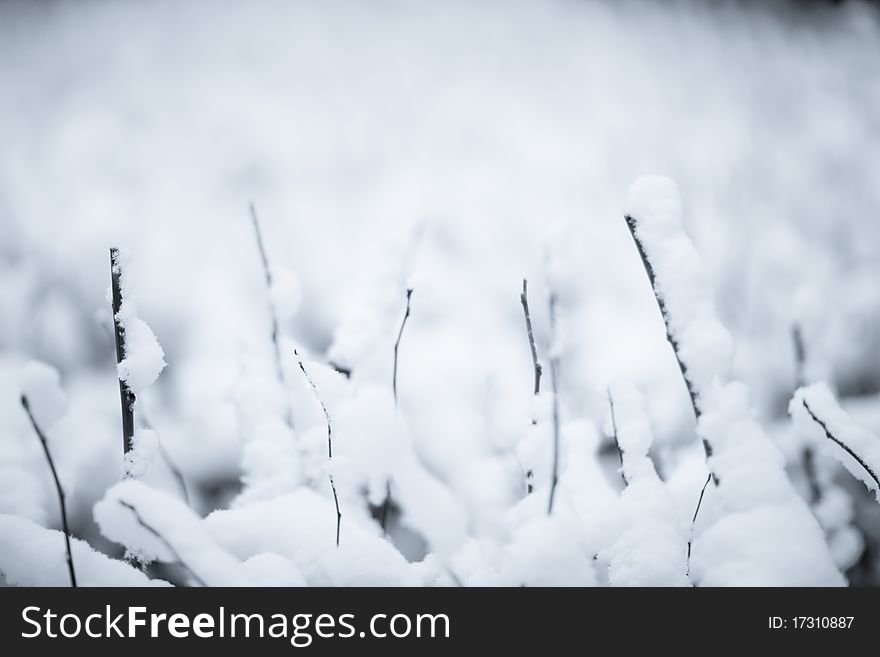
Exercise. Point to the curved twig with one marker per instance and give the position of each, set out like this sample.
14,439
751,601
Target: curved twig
329,441
58,488
842,445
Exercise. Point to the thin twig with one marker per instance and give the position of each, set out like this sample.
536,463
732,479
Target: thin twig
694,522
843,445
126,396
554,382
409,292
175,555
276,332
329,440
614,435
536,364
632,224
58,488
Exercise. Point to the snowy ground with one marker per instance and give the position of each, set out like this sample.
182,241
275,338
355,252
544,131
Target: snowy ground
455,148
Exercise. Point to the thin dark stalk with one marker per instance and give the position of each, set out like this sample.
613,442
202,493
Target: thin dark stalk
276,332
329,440
536,364
632,224
694,522
58,488
554,382
843,445
614,435
174,553
397,343
126,396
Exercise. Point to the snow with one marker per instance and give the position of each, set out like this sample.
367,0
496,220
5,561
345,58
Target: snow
864,444
764,534
41,385
651,548
145,448
183,537
33,556
144,359
457,171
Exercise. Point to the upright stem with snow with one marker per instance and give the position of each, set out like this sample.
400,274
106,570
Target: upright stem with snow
329,441
58,488
126,395
276,332
631,224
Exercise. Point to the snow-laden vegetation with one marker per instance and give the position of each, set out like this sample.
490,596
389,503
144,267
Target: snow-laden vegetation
398,311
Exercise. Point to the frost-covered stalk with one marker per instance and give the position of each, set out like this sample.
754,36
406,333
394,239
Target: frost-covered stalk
694,522
126,396
860,449
329,441
554,383
58,488
763,533
632,222
273,312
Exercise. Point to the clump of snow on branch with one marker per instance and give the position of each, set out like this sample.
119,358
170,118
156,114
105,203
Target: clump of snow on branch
854,446
144,358
145,448
31,555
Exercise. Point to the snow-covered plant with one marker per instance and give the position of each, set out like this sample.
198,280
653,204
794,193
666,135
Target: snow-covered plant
817,412
139,361
760,531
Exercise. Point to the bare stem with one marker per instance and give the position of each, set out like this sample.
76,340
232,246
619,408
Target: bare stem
397,343
58,488
329,440
694,522
126,396
143,523
843,445
536,364
554,382
614,435
276,333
